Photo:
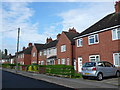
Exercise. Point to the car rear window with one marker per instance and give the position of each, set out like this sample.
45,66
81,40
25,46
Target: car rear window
89,64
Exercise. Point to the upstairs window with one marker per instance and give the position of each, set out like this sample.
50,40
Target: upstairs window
34,54
93,39
116,34
40,53
45,53
63,48
79,42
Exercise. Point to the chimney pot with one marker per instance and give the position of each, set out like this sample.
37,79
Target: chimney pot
48,40
117,7
30,44
73,30
58,36
23,48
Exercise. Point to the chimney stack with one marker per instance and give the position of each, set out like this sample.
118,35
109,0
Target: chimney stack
48,40
117,7
23,48
72,30
58,36
30,44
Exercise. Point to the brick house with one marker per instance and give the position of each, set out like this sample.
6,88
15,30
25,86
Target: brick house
66,47
101,41
47,55
35,52
24,56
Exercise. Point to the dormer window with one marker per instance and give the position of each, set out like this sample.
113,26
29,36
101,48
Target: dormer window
93,39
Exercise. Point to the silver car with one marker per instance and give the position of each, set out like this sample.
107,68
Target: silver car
99,70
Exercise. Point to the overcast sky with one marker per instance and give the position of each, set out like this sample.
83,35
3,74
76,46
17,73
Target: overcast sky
39,20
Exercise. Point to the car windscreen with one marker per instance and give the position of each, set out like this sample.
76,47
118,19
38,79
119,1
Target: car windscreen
89,64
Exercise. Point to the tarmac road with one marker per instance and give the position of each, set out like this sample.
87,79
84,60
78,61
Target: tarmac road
10,80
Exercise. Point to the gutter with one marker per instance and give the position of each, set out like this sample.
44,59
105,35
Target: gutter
97,32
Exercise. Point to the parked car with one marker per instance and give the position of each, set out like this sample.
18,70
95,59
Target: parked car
99,70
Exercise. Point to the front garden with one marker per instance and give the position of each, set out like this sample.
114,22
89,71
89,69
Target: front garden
54,70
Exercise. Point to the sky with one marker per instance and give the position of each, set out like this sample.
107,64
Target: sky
38,20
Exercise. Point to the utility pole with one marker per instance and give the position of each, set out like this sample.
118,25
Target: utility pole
17,50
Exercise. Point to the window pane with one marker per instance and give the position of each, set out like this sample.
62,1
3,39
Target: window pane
96,38
114,36
118,33
97,58
91,40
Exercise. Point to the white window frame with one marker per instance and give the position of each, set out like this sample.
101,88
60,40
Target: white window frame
58,61
45,53
89,37
80,44
34,54
63,48
114,59
42,62
94,56
40,53
63,61
116,34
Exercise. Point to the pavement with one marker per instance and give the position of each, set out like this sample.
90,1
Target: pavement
71,83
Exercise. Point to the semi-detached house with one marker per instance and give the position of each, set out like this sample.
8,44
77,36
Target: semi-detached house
24,56
35,53
48,53
66,47
101,41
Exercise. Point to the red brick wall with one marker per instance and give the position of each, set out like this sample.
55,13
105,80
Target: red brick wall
104,48
42,58
34,58
20,59
27,59
63,40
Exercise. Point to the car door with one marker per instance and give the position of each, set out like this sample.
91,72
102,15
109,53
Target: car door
110,70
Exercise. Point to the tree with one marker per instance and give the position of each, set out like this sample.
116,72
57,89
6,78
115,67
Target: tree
6,52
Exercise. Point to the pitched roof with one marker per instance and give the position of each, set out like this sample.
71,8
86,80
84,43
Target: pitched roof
71,35
39,46
50,44
107,22
26,51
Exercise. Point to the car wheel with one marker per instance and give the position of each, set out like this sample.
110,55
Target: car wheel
117,74
84,77
99,77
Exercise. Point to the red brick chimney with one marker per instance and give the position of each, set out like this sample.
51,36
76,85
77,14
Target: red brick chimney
48,40
30,44
117,7
72,30
23,48
58,36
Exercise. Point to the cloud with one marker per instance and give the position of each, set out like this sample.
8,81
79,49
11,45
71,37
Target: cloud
59,0
82,18
15,15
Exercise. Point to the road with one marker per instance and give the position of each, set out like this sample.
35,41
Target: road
10,80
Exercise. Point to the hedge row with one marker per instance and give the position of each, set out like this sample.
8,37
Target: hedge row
60,70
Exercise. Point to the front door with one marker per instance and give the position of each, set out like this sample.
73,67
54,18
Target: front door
79,64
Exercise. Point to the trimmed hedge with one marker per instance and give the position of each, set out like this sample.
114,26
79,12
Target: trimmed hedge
64,70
